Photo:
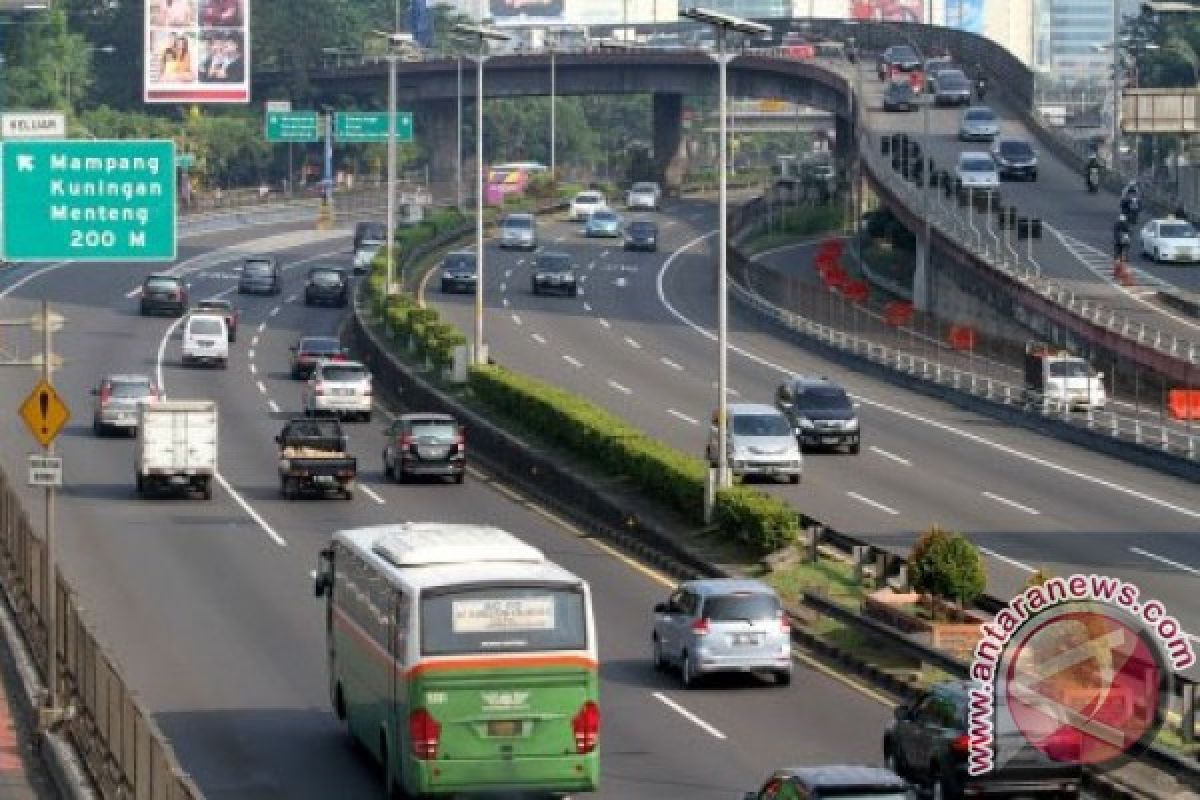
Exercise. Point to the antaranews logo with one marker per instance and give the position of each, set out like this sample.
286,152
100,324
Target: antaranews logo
1078,669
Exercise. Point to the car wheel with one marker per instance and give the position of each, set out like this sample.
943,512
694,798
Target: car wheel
366,416
445,288
686,675
783,678
1033,176
793,479
388,472
460,477
140,483
1155,256
97,427
400,475
855,448
893,760
660,663
937,786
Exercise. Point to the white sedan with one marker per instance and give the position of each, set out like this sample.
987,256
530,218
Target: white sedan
584,204
977,171
1171,239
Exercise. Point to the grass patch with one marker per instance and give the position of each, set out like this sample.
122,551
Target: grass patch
834,579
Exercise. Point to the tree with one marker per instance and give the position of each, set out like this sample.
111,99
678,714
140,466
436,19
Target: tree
947,565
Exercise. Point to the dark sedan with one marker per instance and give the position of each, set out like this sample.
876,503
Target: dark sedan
260,275
312,349
899,96
1015,158
641,235
327,286
164,294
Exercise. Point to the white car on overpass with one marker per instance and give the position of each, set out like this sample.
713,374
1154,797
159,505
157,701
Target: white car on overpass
1171,239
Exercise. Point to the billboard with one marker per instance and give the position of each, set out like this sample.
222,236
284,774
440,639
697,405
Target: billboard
521,12
582,12
196,51
889,10
966,15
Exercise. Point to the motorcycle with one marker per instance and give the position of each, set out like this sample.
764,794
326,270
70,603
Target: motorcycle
981,89
1132,208
1121,246
1093,179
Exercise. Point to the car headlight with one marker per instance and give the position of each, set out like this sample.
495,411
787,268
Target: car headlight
851,424
804,422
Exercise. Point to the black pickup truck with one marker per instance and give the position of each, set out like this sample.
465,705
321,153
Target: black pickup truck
313,458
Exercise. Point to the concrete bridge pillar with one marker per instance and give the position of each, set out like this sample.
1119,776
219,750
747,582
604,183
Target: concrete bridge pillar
923,276
844,144
670,156
436,123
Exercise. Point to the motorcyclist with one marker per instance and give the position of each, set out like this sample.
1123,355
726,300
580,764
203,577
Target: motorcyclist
981,87
1092,172
1122,236
1131,203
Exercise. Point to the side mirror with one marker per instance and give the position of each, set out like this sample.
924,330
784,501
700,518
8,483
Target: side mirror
662,608
324,580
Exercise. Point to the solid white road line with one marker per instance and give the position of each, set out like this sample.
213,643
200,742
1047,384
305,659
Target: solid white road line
273,406
261,388
1011,503
632,343
37,273
605,323
537,337
618,387
669,363
1164,560
892,456
249,509
682,416
1012,562
868,501
1112,486
573,361
516,319
508,273
369,492
689,716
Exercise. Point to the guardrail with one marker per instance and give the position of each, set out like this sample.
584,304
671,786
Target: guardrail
125,752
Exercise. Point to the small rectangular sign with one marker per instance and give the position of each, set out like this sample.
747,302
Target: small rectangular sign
33,125
279,105
293,126
45,470
371,126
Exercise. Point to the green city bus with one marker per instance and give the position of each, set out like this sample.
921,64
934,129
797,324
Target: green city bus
462,659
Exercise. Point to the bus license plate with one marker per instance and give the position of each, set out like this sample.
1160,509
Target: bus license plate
504,727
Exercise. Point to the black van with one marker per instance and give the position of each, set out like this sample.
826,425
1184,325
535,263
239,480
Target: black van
260,275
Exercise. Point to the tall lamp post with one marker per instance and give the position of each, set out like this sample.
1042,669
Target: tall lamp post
395,39
723,24
107,49
482,35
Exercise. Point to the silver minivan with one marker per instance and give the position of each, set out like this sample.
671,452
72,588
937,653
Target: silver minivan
519,230
760,441
722,625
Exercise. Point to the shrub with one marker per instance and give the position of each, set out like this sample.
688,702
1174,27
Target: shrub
947,565
757,519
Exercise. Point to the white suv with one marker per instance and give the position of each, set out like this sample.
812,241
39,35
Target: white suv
759,441
644,195
206,340
584,204
339,387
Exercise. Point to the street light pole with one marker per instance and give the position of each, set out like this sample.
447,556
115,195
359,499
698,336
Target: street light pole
458,139
553,116
391,181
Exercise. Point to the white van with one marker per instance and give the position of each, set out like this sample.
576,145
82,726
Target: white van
206,340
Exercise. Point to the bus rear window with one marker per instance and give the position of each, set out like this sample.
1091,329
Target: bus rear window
503,619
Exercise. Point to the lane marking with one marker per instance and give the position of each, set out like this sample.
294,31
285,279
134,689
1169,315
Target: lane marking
975,438
573,361
134,292
689,716
579,292
516,319
274,311
504,301
603,254
537,337
503,286
262,326
250,353
273,406
587,307
249,509
669,363
37,273
892,456
618,387
682,416
1164,560
605,323
292,298
261,388
868,501
254,342
632,343
1012,562
508,273
253,369
1011,503
371,493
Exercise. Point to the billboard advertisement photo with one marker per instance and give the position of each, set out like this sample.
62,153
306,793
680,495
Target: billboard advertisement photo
966,15
510,12
197,51
889,10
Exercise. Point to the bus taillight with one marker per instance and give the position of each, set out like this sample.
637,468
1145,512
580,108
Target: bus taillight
587,728
425,733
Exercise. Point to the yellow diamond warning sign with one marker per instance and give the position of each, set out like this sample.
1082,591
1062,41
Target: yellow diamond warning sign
44,413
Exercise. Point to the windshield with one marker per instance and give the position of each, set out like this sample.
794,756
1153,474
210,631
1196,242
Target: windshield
761,425
980,115
903,53
643,187
742,606
320,346
205,326
503,619
459,261
604,216
1016,150
900,88
977,165
1069,369
823,398
258,268
643,228
519,223
588,198
435,430
129,388
952,79
326,277
1179,230
858,793
344,374
162,283
553,263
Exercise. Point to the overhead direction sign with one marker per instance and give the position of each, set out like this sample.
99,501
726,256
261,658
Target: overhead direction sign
293,126
44,413
89,200
33,125
371,126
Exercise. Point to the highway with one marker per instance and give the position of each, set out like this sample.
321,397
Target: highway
638,341
208,606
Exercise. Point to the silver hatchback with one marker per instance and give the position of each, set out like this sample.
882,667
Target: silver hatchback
760,441
722,625
519,230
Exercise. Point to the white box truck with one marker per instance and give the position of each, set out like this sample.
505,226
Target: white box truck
177,446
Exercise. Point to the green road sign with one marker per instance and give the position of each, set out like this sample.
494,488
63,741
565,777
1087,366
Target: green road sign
89,200
293,126
370,126
185,160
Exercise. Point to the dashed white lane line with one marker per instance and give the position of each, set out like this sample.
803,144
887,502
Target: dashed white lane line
537,337
689,716
504,301
619,387
579,292
371,493
271,404
507,273
605,323
516,319
253,369
682,416
504,287
1011,503
560,239
1012,562
587,307
1164,560
892,456
591,265
250,354
604,254
872,503
669,363
292,298
274,311
134,292
254,342
573,361
633,343
261,388
262,326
